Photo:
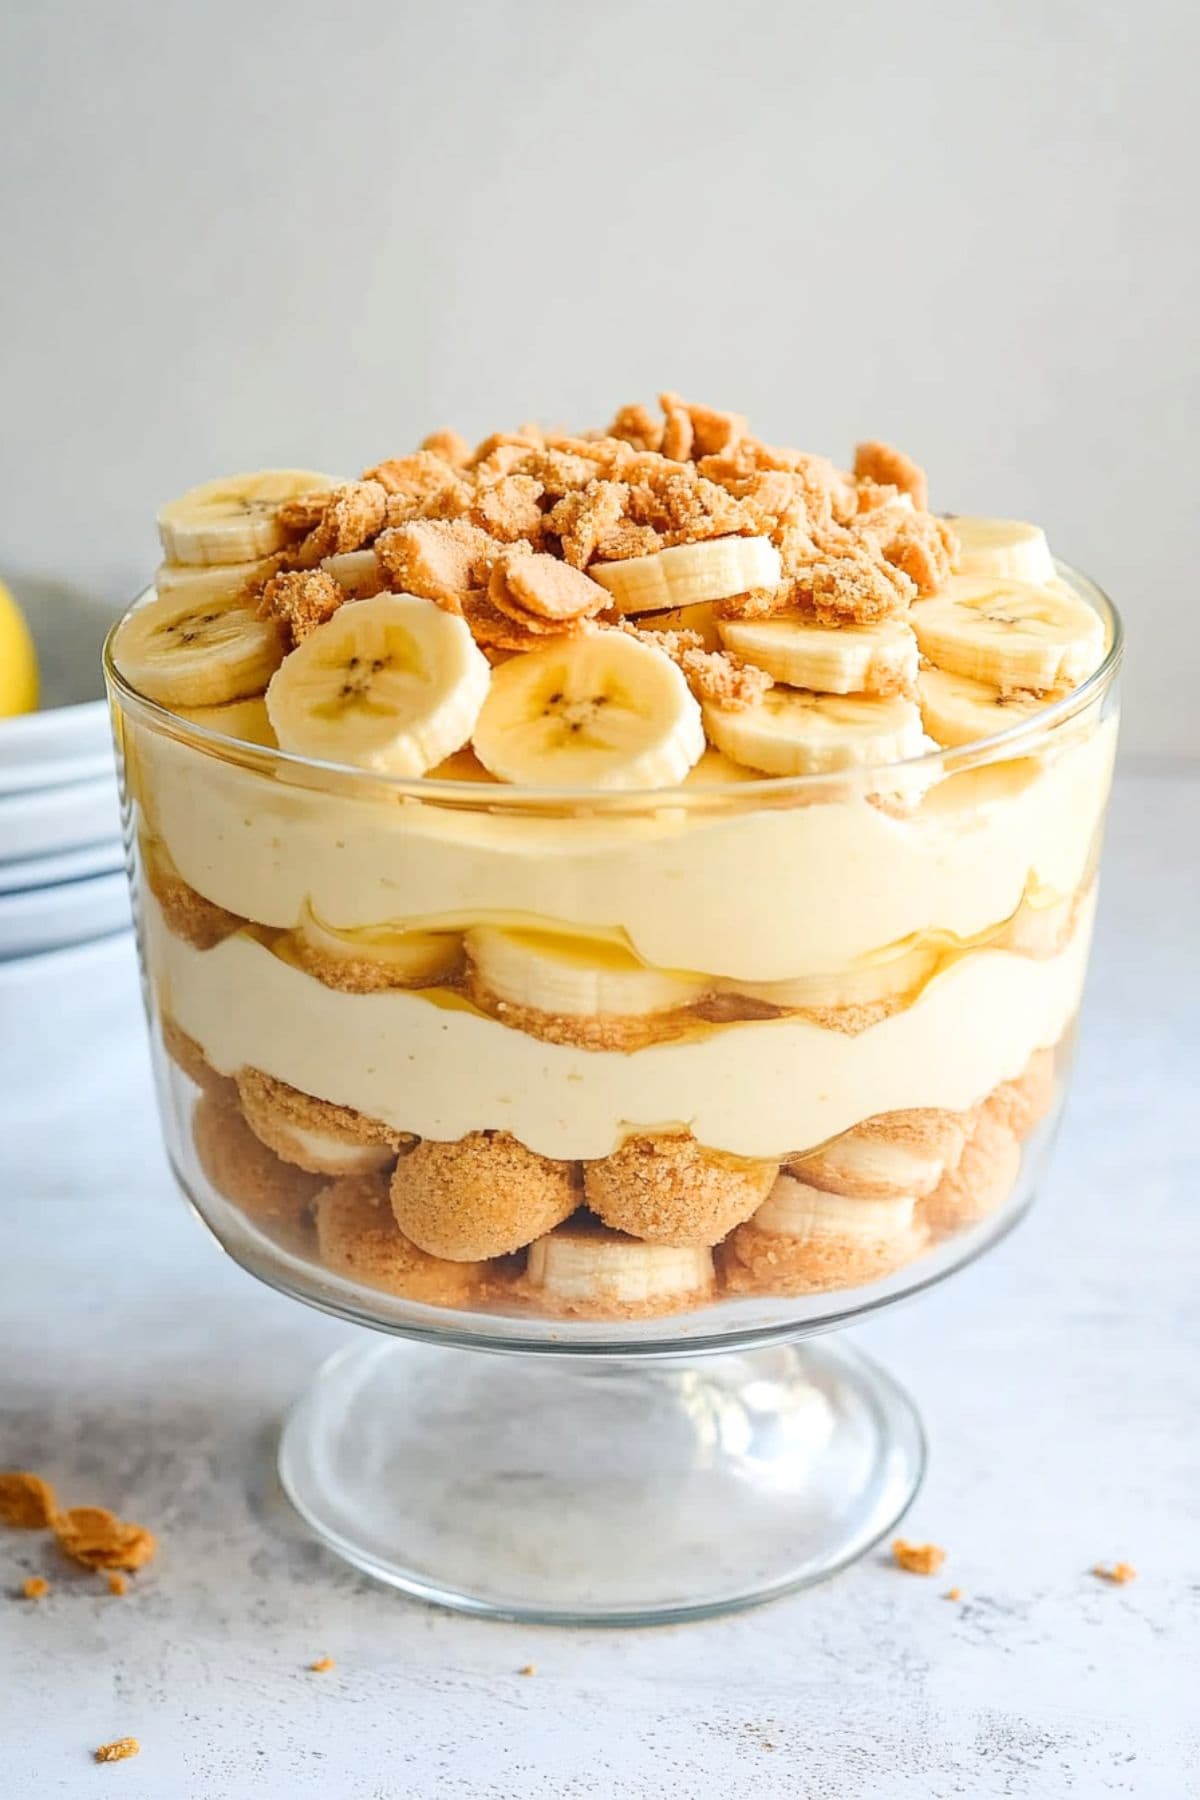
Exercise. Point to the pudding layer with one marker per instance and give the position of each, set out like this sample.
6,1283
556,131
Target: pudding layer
685,889
768,1088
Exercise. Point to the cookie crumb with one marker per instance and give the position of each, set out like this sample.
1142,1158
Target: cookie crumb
1117,1573
27,1502
36,1587
527,1669
918,1559
95,1537
952,1594
117,1584
117,1751
322,1665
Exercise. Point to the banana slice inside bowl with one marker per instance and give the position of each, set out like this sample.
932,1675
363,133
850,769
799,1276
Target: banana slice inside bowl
185,652
573,977
392,684
1002,547
788,731
582,1267
599,710
847,659
235,518
686,574
957,710
1010,634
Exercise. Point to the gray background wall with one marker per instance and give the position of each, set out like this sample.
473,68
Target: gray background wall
238,234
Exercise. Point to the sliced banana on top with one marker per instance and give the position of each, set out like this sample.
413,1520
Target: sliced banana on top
1011,634
233,519
599,710
223,581
688,573
184,652
790,732
843,659
1005,547
393,684
358,571
957,710
573,977
700,618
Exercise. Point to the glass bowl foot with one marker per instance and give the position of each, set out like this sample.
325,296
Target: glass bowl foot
611,1491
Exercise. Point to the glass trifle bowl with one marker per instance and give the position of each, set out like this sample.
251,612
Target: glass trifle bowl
600,1105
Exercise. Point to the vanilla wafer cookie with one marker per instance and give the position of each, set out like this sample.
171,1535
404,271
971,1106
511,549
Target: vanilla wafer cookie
188,914
315,1134
804,1240
189,1056
983,1180
357,1236
896,1153
484,1195
240,1166
669,1189
1019,1104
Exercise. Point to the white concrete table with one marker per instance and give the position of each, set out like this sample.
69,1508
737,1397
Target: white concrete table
1059,1380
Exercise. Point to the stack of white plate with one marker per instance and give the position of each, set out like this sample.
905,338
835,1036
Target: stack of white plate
62,879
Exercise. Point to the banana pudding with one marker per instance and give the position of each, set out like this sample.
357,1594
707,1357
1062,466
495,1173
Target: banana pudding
610,875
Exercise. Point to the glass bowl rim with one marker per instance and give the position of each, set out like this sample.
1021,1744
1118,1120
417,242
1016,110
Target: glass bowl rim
498,796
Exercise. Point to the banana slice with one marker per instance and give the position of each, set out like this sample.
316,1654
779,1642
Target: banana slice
582,1267
957,710
245,720
794,1209
358,571
598,710
790,732
185,652
1011,634
700,618
221,582
883,982
845,659
1002,547
688,573
369,957
393,684
233,519
573,977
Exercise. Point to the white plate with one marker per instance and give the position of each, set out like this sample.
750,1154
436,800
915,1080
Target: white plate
46,749
49,918
55,819
68,865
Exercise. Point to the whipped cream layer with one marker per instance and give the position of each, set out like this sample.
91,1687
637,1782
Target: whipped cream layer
767,1088
760,895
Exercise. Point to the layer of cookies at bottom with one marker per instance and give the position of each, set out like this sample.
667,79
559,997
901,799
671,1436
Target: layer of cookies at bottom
661,1225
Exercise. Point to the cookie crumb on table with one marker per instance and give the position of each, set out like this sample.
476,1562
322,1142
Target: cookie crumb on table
954,1593
322,1665
1118,1573
117,1584
117,1751
527,1669
27,1503
36,1587
95,1537
918,1559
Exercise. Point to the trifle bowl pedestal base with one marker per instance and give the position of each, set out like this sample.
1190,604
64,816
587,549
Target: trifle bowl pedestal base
601,1490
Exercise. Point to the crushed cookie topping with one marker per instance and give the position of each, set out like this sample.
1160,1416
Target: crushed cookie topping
853,545
27,1502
